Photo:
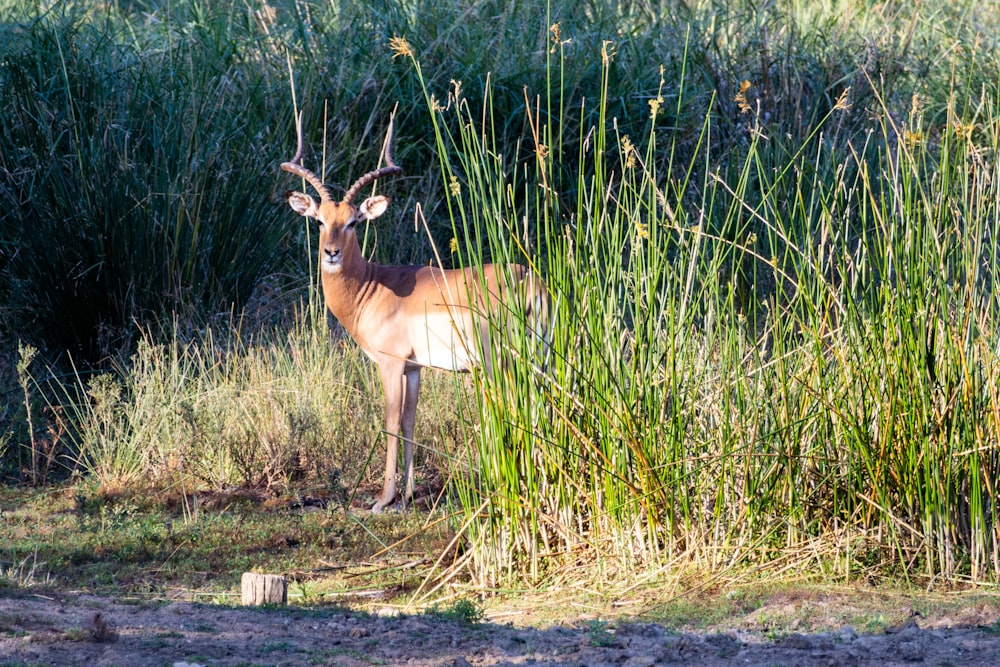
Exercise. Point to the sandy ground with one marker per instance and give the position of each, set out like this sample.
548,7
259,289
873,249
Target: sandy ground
71,629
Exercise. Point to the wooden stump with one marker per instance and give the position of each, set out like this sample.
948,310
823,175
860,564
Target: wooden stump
259,589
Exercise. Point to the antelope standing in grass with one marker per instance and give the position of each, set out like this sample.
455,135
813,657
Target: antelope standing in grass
405,318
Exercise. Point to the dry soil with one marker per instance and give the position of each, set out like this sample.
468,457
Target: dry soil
81,629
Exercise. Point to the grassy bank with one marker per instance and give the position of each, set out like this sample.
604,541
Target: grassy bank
767,233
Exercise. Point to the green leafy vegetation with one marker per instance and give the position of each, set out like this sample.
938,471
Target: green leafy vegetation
461,611
767,232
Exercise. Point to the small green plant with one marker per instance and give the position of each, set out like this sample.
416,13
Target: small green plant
26,354
873,623
600,634
303,591
462,610
278,647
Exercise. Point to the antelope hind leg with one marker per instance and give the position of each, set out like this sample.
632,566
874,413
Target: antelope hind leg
409,418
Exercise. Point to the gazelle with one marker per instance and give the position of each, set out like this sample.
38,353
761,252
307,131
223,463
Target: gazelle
405,317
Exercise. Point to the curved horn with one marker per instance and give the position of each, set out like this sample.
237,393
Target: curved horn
294,167
390,168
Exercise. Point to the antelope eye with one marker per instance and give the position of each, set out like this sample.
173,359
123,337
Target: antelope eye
350,226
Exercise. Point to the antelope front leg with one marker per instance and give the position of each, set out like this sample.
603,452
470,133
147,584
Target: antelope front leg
393,387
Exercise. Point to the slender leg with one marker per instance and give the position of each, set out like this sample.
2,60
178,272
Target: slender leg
393,387
409,419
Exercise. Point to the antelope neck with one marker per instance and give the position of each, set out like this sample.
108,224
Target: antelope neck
348,289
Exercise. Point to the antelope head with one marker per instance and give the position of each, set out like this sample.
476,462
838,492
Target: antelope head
338,243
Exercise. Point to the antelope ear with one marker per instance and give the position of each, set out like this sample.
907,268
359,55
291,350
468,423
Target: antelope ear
373,207
303,204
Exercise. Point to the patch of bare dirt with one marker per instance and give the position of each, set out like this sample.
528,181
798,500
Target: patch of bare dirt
76,629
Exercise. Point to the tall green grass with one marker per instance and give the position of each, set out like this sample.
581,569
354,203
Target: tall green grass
131,188
794,366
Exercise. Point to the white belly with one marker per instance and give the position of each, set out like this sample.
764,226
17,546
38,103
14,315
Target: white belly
440,344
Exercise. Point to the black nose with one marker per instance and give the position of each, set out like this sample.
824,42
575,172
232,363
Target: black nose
332,253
